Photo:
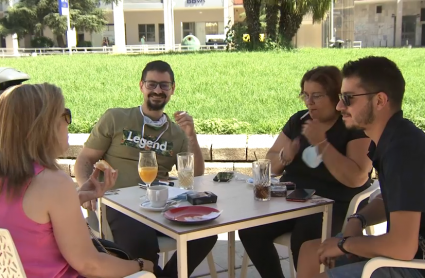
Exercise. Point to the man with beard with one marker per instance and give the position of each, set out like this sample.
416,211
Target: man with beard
118,137
371,100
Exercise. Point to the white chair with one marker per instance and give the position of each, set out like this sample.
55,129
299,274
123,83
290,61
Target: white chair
166,244
11,265
378,262
285,239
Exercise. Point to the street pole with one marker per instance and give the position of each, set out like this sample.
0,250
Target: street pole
68,33
64,10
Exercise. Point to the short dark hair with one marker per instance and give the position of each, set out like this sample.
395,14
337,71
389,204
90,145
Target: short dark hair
378,74
159,66
329,77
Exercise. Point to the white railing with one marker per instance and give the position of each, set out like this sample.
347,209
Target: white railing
357,44
130,49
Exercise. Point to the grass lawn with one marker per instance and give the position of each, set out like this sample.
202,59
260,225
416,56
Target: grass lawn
242,93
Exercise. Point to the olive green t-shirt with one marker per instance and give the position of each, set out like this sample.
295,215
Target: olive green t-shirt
118,132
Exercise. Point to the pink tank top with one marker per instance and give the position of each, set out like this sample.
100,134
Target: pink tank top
35,242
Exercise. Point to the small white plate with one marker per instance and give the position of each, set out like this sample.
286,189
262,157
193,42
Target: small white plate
147,206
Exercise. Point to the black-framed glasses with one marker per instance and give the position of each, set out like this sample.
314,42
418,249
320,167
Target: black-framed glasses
151,85
346,98
67,115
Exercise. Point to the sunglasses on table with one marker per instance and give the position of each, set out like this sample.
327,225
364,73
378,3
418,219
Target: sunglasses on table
67,115
346,97
165,86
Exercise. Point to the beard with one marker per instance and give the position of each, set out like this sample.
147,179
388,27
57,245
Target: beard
155,106
365,117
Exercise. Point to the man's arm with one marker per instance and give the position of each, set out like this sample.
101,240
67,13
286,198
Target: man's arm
85,162
185,122
198,157
374,213
403,166
400,243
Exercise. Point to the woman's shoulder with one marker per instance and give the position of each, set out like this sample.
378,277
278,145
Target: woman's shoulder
53,181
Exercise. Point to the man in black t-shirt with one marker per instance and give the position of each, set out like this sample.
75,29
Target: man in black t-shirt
371,99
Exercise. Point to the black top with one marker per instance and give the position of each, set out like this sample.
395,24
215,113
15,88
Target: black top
320,178
399,159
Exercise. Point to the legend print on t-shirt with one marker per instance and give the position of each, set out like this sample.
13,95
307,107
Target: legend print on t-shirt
134,139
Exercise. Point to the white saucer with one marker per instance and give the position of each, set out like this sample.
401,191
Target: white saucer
147,206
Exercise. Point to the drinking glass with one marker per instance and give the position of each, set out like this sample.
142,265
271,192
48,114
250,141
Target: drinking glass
261,172
185,170
148,167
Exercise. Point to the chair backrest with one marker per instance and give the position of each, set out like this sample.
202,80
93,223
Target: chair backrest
355,202
10,263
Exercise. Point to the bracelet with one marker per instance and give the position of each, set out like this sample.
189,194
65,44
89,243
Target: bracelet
360,217
140,262
325,148
341,245
281,158
320,143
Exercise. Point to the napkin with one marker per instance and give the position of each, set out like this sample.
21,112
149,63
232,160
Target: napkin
211,215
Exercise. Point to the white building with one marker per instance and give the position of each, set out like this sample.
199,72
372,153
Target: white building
159,21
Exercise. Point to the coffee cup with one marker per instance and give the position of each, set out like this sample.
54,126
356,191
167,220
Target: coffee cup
157,195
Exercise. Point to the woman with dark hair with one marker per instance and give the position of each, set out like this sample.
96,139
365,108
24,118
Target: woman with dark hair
318,152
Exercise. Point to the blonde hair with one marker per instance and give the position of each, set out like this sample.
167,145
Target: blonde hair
28,132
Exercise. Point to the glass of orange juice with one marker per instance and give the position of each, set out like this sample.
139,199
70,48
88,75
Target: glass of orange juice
148,167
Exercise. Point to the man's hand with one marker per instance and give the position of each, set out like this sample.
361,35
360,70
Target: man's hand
314,132
185,122
329,250
93,188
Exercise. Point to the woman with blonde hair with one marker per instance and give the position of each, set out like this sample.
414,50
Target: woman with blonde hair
39,203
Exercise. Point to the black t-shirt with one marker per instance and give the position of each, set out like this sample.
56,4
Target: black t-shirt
320,178
399,160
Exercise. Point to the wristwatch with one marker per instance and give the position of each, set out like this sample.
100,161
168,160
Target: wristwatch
341,245
140,262
360,217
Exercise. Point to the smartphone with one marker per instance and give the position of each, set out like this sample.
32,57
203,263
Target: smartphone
224,176
300,195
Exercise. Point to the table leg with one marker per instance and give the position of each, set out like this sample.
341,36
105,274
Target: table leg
231,254
182,256
326,227
100,216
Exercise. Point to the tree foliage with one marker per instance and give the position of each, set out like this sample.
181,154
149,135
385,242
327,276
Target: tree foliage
31,17
282,18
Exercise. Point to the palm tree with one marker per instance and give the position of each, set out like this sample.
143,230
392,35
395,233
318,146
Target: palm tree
252,11
272,17
293,11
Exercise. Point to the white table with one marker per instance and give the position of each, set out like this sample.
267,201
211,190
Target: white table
240,211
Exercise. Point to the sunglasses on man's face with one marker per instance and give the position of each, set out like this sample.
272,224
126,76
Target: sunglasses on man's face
346,98
67,115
